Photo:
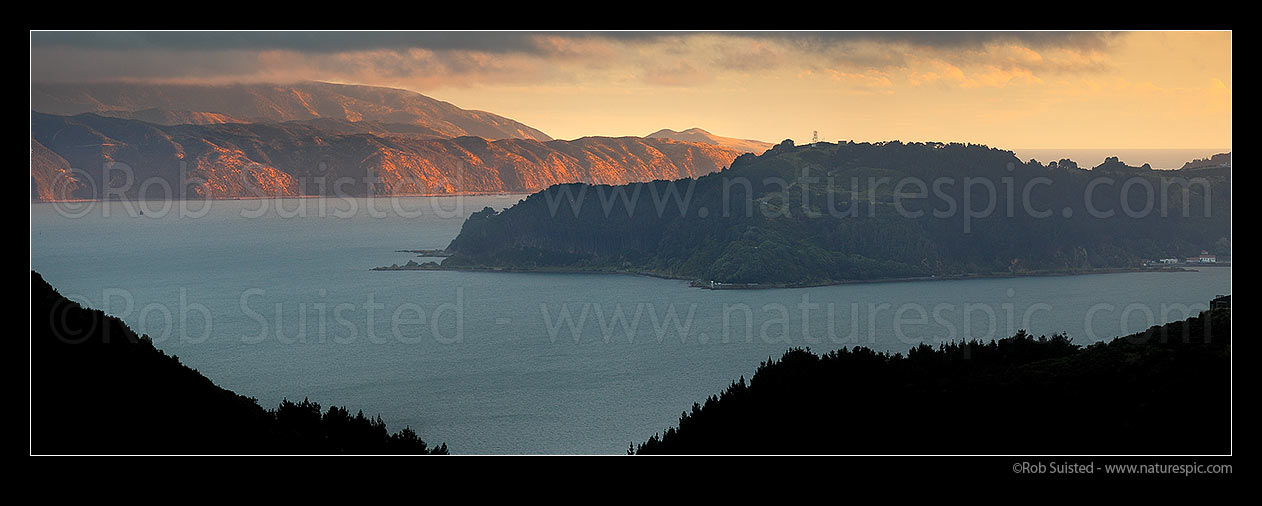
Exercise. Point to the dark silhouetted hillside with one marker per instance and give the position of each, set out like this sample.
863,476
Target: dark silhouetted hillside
1163,391
99,388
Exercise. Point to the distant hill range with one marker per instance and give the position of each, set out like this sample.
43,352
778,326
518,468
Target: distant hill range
1218,160
83,157
703,137
177,104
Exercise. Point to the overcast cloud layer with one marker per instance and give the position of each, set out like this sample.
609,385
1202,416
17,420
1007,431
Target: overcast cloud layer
445,58
1019,89
503,42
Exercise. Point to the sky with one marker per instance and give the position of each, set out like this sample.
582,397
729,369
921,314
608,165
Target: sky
1105,90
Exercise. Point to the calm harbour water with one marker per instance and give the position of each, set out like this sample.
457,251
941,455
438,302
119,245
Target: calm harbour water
275,298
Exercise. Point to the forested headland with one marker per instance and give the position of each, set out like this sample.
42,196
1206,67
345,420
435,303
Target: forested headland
827,213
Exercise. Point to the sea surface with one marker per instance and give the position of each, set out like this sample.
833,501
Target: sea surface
276,299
